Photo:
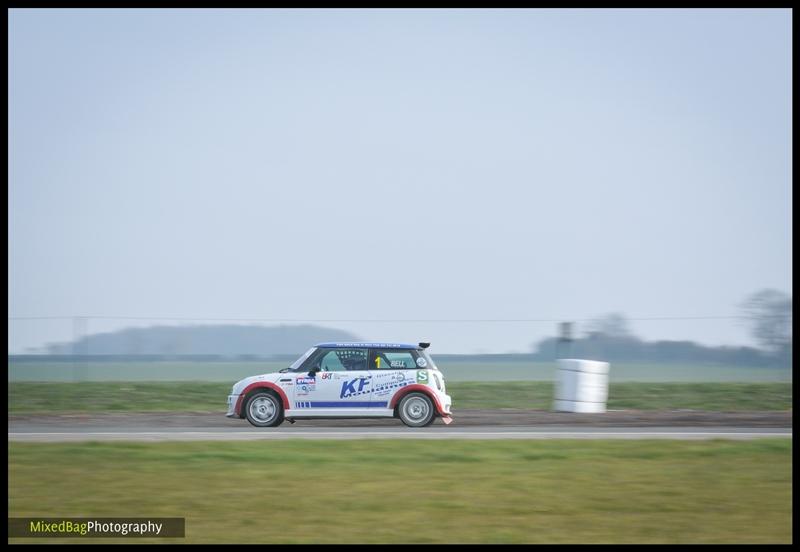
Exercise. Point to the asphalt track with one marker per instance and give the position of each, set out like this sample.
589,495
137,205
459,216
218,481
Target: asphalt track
477,424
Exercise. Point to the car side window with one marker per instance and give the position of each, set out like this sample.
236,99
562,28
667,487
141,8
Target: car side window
331,363
392,360
340,360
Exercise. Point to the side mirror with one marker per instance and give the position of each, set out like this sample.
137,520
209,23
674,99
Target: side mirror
313,371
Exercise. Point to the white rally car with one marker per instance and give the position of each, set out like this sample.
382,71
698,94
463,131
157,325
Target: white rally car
347,380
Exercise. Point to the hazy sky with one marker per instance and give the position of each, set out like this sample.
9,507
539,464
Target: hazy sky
437,164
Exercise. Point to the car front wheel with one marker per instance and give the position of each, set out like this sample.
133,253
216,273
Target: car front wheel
263,409
416,410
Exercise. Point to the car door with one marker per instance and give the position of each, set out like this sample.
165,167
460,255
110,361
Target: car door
343,383
392,369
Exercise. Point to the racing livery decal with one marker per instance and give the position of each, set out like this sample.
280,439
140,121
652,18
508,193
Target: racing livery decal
354,387
387,382
305,385
390,387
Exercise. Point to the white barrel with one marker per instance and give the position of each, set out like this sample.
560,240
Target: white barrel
581,386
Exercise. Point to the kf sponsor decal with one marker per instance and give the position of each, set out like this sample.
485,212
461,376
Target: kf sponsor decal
422,376
353,387
304,385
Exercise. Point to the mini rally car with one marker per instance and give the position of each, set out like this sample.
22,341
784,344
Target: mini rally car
347,380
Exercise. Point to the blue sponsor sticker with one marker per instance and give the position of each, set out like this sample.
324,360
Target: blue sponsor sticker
305,385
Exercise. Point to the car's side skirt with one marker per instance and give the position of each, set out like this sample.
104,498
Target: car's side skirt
339,412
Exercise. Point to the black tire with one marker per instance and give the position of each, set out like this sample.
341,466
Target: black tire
416,410
264,409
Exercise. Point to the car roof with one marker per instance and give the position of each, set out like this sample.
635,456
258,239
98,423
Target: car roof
366,345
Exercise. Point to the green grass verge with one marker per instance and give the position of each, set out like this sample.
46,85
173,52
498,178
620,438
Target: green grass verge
211,397
381,491
455,369
631,396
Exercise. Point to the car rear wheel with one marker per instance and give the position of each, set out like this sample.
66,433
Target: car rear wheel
416,410
263,409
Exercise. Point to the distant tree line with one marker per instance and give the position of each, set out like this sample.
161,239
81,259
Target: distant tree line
207,341
767,312
632,349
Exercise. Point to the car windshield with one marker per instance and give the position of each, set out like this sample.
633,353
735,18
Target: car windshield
296,364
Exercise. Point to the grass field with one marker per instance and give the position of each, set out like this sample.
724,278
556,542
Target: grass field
454,370
420,491
211,397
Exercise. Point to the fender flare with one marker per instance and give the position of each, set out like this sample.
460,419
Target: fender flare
422,389
257,385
